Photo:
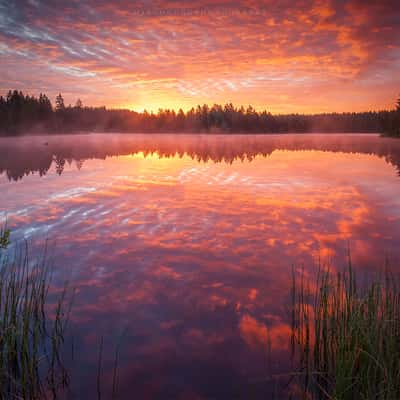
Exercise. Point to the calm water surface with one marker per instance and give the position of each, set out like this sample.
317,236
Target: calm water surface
181,248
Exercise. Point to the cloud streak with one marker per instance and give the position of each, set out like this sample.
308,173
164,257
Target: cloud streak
303,56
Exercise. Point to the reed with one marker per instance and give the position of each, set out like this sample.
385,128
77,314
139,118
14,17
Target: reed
31,333
4,237
346,338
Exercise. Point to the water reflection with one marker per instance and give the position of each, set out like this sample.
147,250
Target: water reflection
186,263
22,156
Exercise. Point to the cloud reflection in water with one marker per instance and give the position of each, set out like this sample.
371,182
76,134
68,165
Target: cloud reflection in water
190,262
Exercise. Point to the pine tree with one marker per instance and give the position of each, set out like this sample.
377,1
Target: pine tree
60,102
79,104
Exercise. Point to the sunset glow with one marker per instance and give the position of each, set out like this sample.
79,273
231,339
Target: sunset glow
200,199
286,56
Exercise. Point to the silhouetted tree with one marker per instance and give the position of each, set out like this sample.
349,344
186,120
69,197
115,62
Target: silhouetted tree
391,121
60,103
79,103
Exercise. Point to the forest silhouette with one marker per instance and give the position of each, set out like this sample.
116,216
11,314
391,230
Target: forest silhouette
23,114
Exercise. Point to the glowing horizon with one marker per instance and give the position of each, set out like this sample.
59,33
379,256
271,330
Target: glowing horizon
292,57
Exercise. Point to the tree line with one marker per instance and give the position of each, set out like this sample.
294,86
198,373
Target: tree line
21,113
391,125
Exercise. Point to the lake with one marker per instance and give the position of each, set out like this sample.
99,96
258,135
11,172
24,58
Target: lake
181,248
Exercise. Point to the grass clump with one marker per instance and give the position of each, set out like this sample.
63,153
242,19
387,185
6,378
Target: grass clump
31,332
346,338
4,237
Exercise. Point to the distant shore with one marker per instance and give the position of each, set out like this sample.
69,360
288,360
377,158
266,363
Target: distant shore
21,113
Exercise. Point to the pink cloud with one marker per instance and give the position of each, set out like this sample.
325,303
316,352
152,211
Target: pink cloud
296,56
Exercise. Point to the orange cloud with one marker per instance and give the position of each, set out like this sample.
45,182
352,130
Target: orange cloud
308,56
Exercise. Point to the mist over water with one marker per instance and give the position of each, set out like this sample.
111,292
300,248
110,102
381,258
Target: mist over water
181,247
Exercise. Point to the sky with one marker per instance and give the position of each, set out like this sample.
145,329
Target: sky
284,56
